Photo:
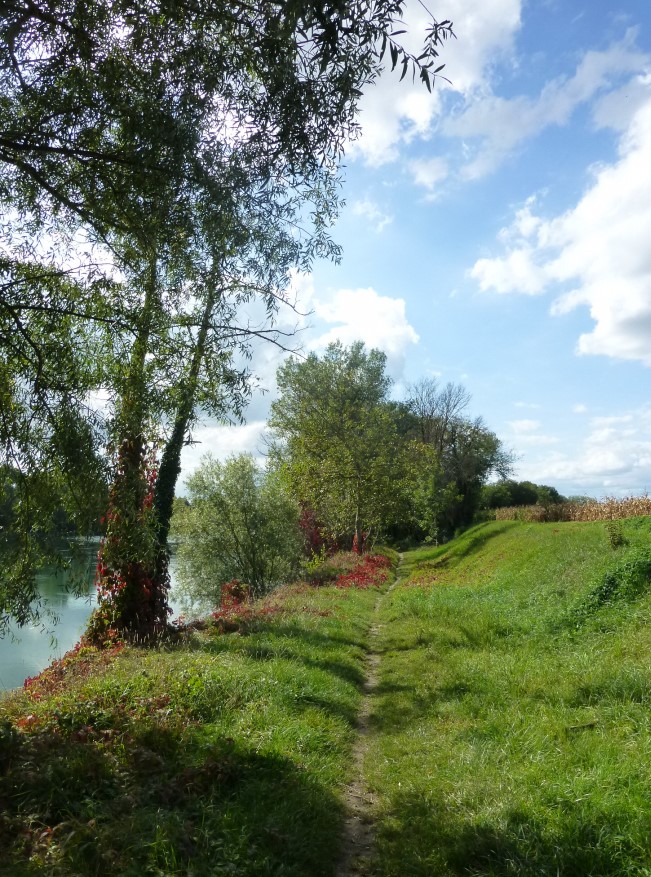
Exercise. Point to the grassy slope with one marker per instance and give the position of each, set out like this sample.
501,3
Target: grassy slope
513,729
511,735
226,756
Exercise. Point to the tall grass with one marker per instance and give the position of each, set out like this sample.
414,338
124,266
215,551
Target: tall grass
513,727
224,755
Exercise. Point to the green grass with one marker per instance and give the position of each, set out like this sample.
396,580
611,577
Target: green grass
226,755
512,731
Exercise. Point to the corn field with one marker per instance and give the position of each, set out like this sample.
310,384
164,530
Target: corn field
607,509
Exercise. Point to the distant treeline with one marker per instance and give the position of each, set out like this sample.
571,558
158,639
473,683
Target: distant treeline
508,493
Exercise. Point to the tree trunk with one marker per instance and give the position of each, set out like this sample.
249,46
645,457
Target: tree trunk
170,465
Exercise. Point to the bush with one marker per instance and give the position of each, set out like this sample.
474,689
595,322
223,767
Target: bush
241,524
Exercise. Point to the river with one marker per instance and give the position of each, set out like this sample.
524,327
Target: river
27,650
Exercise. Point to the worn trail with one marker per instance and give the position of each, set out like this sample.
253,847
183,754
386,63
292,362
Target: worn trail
358,830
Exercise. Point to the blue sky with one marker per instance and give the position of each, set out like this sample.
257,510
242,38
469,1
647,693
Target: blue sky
497,233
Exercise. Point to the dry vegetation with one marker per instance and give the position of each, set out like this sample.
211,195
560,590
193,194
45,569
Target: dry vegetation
607,509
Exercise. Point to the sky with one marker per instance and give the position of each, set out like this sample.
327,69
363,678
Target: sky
497,233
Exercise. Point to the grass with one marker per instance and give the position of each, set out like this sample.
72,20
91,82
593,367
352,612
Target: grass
225,755
512,731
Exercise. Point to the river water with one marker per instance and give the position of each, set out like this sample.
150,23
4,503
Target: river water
27,650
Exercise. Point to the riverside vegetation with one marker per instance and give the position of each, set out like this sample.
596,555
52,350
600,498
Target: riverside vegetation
509,732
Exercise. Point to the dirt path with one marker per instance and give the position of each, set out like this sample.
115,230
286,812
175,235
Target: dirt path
358,834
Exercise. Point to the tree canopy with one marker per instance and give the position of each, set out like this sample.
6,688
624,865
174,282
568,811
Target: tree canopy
163,164
363,463
337,438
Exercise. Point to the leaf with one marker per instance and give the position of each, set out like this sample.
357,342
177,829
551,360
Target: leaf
405,66
384,47
394,56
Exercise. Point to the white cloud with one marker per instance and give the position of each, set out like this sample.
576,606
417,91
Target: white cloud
526,433
393,112
222,441
531,405
580,408
429,173
499,125
515,272
614,457
600,248
370,210
362,314
524,426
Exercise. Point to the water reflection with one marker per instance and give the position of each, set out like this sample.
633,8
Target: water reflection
28,650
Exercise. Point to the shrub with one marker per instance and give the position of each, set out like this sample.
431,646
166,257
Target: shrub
241,524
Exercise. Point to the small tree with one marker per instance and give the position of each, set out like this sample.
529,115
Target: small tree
241,524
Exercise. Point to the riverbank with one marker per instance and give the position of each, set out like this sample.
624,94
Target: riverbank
485,714
223,754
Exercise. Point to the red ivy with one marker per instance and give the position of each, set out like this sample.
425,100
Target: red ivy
371,572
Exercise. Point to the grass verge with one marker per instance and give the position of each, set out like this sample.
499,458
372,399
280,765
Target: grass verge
225,755
512,728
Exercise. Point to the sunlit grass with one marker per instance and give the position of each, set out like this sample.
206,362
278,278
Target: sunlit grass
513,733
226,755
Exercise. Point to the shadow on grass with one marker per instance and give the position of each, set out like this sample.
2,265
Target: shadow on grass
448,556
285,642
163,802
422,838
478,537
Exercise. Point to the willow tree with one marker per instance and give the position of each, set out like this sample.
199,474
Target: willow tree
163,164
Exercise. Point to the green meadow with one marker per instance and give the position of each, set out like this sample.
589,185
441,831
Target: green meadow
509,732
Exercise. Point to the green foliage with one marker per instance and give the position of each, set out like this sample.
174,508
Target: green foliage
615,533
629,580
241,524
336,439
224,755
504,742
118,129
508,493
326,570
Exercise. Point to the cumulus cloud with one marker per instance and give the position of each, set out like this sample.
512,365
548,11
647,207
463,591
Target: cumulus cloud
393,112
370,210
524,426
614,457
492,127
597,252
221,441
428,173
527,433
362,314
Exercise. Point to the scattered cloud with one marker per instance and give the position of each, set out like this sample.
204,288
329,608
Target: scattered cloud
599,248
531,405
370,210
580,408
428,173
520,427
492,127
221,441
527,433
614,457
394,113
362,314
